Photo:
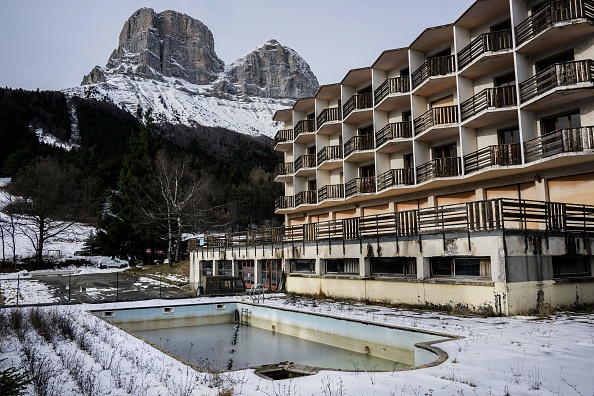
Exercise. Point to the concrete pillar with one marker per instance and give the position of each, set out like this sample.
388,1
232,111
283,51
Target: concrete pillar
364,266
320,267
257,271
423,267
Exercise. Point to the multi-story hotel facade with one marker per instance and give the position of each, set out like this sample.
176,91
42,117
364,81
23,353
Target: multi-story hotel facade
455,172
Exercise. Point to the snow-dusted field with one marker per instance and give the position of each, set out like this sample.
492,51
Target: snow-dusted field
497,356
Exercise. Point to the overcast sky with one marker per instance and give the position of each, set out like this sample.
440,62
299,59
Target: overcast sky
51,44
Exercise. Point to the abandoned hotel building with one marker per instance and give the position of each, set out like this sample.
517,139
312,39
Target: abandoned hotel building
458,171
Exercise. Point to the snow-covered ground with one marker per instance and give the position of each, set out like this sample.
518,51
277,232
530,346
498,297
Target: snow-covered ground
496,356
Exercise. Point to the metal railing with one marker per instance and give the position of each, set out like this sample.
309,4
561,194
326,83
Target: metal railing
396,177
557,75
571,140
358,143
393,85
395,130
283,136
283,169
438,66
327,115
436,116
331,191
305,161
497,97
284,202
306,197
502,155
439,167
486,42
329,153
305,126
357,102
551,14
360,185
476,216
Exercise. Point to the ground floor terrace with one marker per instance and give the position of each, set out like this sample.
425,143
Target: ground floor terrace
501,256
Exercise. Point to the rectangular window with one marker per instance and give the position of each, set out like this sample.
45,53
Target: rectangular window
460,266
225,267
563,121
206,268
393,266
568,266
342,266
306,266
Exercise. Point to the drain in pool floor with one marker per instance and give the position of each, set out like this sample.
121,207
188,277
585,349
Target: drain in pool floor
285,370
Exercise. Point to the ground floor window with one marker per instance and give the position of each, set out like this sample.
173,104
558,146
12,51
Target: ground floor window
393,266
246,271
206,268
303,265
460,266
271,274
225,267
564,266
342,266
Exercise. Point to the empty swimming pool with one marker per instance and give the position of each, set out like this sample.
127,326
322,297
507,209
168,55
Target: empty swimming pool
234,335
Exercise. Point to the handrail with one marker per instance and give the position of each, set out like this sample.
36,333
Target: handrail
305,161
557,75
396,177
497,97
551,14
487,42
331,191
360,185
436,116
283,169
439,167
502,155
305,126
438,66
327,115
394,130
358,143
393,85
570,140
284,202
283,136
357,102
329,153
306,197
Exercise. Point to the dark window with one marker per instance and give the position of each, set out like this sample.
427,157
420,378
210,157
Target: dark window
509,136
311,116
311,185
390,266
564,121
303,266
565,266
342,266
506,80
311,150
445,52
225,268
404,72
366,131
206,268
460,266
445,151
406,116
408,161
505,25
365,90
560,58
367,171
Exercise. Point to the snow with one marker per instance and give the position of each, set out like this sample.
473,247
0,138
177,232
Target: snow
52,140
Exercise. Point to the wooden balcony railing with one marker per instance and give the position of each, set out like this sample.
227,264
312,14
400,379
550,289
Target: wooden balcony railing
357,102
327,115
493,215
392,86
283,169
358,143
360,185
283,136
331,191
329,153
439,167
439,66
285,202
487,42
502,155
498,97
551,14
306,197
396,177
305,161
557,75
395,130
436,116
571,140
305,126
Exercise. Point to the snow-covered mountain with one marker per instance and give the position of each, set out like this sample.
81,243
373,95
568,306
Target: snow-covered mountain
166,62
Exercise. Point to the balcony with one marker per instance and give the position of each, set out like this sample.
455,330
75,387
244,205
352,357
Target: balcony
357,144
361,185
283,141
352,109
306,198
443,118
558,23
435,75
331,191
396,177
500,155
285,202
393,137
332,154
485,54
283,172
305,131
561,83
485,107
328,121
573,140
305,165
393,90
439,167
